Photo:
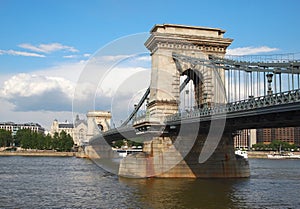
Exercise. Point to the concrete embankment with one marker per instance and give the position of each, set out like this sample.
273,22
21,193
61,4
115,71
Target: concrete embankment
256,154
38,153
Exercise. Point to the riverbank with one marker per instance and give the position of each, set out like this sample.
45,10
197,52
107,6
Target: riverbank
37,153
257,154
262,154
49,153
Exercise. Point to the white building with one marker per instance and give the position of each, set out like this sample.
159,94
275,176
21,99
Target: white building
14,127
82,131
77,130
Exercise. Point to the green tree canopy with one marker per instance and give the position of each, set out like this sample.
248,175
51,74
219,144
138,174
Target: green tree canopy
33,140
275,145
6,138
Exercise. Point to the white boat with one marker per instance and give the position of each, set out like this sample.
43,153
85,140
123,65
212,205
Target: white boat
293,156
277,156
125,152
241,153
283,156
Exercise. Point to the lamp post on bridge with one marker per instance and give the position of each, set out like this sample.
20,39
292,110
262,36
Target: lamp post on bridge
269,78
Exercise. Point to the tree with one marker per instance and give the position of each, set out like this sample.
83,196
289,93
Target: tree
40,141
66,142
6,138
119,144
24,137
33,140
275,145
48,142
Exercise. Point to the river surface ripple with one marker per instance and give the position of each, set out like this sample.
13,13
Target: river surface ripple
69,182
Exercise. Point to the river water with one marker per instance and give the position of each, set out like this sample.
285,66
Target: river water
69,182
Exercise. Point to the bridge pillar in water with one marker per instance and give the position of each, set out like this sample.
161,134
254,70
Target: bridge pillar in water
163,159
198,42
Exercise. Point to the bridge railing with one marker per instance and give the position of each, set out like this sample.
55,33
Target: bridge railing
243,105
146,118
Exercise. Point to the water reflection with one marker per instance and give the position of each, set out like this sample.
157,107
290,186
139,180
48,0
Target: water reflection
187,193
36,182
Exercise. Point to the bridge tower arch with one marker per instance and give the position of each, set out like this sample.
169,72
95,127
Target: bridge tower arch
197,81
97,121
169,39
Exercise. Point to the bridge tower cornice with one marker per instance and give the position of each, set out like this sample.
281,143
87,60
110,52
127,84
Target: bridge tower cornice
188,38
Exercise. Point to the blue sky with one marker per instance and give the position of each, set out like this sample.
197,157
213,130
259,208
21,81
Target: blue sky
53,38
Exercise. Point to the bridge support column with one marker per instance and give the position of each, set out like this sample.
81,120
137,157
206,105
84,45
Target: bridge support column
161,159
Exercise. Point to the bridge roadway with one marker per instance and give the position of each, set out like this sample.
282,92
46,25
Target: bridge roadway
271,111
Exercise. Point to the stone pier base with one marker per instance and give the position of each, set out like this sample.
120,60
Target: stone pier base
163,157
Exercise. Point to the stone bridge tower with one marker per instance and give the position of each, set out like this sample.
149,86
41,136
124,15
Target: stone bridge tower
97,120
198,42
186,149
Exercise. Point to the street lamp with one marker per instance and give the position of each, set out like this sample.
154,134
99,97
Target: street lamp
269,78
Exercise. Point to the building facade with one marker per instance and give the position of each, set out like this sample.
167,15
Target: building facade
246,138
76,130
83,130
14,127
290,135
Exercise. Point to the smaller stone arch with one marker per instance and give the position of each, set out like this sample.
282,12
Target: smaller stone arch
100,126
97,120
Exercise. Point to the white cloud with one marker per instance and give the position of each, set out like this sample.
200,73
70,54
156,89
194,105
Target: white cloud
70,56
250,50
29,92
48,48
44,118
110,58
69,71
84,56
144,58
20,53
41,96
117,76
26,85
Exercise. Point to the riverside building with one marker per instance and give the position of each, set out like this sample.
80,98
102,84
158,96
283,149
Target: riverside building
246,138
286,134
14,127
76,130
83,130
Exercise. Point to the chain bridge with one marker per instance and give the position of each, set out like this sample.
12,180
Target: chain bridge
199,98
